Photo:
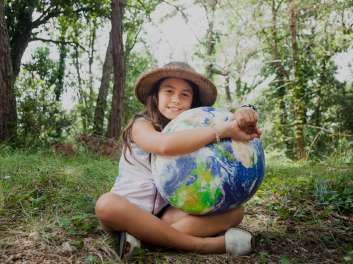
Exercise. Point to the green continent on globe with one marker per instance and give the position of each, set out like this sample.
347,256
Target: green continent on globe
201,195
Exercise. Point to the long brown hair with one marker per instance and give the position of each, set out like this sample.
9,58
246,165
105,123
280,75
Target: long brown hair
153,114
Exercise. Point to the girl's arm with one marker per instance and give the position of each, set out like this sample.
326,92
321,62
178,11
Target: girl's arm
182,142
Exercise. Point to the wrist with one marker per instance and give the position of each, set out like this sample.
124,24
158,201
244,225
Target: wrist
217,134
223,131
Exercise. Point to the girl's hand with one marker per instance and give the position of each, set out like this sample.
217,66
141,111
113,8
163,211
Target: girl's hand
247,119
232,130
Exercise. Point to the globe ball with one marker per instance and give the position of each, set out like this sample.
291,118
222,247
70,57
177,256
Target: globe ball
214,178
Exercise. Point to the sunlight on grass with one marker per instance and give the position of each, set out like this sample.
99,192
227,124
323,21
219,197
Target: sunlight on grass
51,198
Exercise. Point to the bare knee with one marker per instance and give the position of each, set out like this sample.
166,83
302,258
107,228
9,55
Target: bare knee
108,207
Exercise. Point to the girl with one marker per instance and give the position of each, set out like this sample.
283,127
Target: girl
134,205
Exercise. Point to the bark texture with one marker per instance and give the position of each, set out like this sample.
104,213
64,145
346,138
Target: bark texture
103,90
114,125
7,99
282,77
297,88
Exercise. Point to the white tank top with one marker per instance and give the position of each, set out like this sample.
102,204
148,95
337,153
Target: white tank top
135,181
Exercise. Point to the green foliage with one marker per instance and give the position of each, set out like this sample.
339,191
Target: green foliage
136,13
325,99
15,9
138,63
40,114
335,192
322,32
349,257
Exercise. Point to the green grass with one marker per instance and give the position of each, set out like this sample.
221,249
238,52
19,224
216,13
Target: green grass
61,191
323,185
49,199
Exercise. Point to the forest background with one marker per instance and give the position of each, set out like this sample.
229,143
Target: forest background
68,68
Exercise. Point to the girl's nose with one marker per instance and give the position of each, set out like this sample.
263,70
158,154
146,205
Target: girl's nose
175,98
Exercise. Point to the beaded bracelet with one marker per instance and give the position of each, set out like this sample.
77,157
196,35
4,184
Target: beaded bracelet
218,139
251,106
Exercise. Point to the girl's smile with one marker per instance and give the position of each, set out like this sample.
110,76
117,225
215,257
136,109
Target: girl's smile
174,97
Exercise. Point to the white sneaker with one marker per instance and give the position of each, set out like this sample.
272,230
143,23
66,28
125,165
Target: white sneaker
126,245
238,242
133,245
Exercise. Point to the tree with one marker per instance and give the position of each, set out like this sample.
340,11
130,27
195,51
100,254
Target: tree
134,18
114,125
7,118
301,43
210,9
281,74
21,25
297,86
41,119
101,104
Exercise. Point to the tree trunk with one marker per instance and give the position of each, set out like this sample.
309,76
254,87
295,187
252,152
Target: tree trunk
77,67
103,90
211,42
7,124
283,79
297,87
80,93
59,86
238,91
227,89
114,125
20,37
92,40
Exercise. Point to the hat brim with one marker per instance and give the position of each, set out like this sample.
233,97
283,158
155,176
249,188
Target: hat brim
145,84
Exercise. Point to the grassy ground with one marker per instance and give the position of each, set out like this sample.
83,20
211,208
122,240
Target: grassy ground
302,213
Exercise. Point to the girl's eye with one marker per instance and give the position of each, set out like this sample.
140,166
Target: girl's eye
186,94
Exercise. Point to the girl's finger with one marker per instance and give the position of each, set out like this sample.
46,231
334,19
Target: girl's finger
258,131
247,116
254,116
240,121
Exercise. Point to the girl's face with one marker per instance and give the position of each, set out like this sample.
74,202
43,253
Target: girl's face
174,97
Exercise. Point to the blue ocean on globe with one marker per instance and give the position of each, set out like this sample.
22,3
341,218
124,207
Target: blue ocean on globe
216,177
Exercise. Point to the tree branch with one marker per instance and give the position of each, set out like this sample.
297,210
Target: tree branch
329,131
72,43
178,9
220,72
279,5
48,14
128,49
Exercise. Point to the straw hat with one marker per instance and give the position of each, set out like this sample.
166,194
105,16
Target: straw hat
146,82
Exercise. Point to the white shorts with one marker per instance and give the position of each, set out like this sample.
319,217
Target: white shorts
143,194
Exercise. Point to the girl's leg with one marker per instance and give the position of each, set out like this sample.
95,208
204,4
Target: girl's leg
117,213
203,226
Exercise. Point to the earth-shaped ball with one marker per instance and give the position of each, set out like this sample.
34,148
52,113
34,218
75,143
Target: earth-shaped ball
216,177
